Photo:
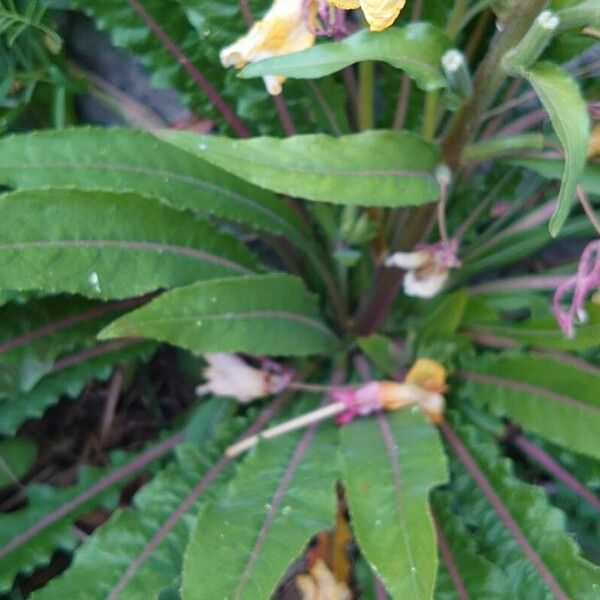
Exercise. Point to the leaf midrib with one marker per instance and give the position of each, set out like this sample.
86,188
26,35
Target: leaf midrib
158,247
256,314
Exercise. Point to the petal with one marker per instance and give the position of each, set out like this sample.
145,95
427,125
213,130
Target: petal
345,4
409,260
428,374
380,14
426,287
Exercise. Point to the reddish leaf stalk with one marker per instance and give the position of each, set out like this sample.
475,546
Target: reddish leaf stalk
265,416
448,557
203,84
502,511
71,321
79,357
122,473
555,469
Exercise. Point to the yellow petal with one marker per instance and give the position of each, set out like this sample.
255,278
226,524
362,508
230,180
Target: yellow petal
380,14
427,374
346,4
282,30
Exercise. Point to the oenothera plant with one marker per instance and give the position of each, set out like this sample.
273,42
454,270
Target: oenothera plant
387,273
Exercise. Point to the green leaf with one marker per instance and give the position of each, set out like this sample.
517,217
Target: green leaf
372,168
96,567
542,525
17,455
390,464
561,97
395,46
552,168
481,578
107,245
259,314
382,352
34,335
544,332
244,541
43,499
553,398
68,382
119,159
445,318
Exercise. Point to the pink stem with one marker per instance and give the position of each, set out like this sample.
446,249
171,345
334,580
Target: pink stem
448,557
123,472
502,511
203,83
555,469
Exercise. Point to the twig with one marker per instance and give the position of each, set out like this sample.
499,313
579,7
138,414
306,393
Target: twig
112,397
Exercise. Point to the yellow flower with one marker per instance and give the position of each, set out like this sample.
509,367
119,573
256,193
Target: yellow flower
321,584
282,30
380,14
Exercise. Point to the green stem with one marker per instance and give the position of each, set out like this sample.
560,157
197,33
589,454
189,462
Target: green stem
430,114
366,95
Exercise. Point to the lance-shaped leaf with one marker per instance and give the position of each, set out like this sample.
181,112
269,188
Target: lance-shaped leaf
68,382
479,577
541,525
259,314
42,499
390,464
121,159
553,168
372,168
244,542
561,97
395,46
555,399
96,567
17,455
107,245
34,335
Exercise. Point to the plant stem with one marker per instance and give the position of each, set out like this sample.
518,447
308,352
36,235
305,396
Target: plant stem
204,84
502,511
588,208
489,77
366,93
430,114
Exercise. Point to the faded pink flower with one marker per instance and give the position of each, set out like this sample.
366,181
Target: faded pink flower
585,281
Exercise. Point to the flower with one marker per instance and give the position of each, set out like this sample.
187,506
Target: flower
321,584
285,28
380,14
329,21
585,281
423,386
427,268
230,375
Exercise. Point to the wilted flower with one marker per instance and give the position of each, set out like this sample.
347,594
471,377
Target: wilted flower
423,386
427,268
380,14
230,375
584,282
330,21
285,28
321,584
